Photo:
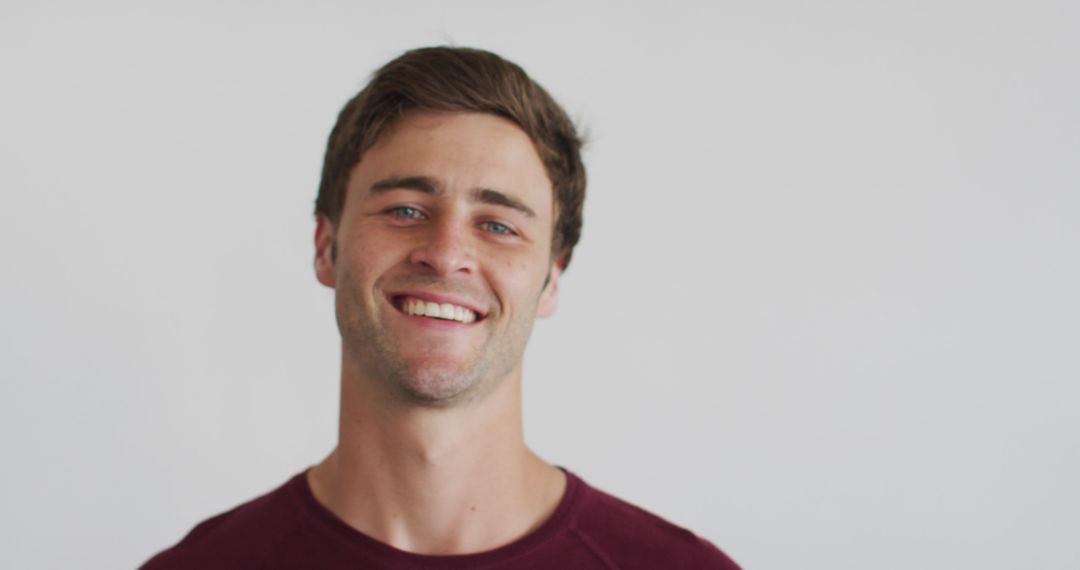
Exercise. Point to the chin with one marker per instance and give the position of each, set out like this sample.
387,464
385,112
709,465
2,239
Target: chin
438,386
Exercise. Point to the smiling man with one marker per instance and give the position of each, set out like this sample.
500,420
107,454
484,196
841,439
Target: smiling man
449,207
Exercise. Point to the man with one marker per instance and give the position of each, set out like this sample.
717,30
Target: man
449,207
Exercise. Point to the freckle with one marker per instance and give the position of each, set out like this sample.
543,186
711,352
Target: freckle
472,508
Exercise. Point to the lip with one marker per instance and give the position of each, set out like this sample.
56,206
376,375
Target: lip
394,299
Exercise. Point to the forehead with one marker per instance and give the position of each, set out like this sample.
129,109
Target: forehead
463,152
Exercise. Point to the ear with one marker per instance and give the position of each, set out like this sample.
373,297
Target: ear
324,252
549,297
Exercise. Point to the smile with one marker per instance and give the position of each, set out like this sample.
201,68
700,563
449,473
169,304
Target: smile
445,311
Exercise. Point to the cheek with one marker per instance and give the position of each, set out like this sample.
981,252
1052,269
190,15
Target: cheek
517,269
368,249
360,262
524,277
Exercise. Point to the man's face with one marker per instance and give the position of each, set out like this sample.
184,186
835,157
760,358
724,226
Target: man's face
448,214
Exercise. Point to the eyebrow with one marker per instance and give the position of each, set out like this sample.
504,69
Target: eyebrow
430,186
489,196
418,183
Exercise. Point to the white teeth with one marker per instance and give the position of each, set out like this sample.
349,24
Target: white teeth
413,306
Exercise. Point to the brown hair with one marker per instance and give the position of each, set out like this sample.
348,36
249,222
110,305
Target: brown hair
459,80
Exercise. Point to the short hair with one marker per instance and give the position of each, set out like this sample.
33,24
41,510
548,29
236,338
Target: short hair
455,79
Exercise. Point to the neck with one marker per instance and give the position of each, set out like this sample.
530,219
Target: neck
435,480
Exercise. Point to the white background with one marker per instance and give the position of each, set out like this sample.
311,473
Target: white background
825,310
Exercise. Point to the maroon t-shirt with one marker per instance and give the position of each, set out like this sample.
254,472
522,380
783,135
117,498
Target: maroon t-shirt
289,528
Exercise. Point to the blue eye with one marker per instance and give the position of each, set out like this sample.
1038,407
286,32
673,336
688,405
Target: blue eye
407,212
497,228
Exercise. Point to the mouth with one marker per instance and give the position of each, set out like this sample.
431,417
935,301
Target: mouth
432,309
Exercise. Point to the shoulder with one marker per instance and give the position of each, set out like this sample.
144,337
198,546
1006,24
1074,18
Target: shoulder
238,538
631,537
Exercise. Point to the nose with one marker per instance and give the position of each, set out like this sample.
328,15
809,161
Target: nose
445,249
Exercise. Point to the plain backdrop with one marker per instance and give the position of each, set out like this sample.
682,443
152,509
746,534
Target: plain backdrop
824,313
